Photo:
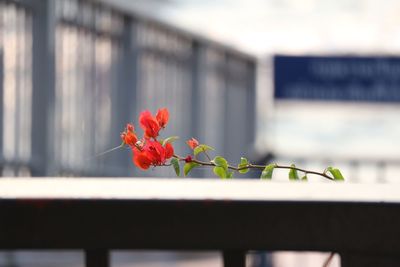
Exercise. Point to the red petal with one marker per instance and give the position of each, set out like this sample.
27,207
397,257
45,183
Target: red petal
130,128
141,161
149,124
162,117
169,151
155,152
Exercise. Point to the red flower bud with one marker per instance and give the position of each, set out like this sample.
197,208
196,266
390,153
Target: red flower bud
128,136
192,143
188,159
130,128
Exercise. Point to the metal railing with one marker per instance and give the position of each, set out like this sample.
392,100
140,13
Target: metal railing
16,86
85,69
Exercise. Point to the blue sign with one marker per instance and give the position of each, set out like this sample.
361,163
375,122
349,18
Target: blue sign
338,78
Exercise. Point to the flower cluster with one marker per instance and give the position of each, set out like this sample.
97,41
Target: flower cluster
148,151
153,151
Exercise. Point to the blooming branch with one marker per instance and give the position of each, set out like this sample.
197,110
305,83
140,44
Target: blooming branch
152,151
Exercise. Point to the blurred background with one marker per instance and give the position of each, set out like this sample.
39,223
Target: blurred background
311,82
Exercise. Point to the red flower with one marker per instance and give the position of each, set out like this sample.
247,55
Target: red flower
149,124
152,154
128,136
192,143
162,117
141,160
155,152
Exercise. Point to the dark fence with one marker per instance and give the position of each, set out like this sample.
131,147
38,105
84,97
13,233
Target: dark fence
359,222
74,72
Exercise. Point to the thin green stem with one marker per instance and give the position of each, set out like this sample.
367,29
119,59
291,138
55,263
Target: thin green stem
205,153
323,174
254,166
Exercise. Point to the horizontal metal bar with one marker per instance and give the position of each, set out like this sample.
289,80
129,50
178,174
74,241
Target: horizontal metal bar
15,163
190,36
166,55
367,260
90,29
20,3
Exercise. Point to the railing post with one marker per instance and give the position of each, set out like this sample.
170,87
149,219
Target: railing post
251,103
197,88
43,85
234,258
1,108
125,96
97,258
197,80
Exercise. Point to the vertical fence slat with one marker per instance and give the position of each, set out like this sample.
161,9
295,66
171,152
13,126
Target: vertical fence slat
251,112
1,106
97,258
198,69
18,80
43,67
225,75
196,79
233,258
125,110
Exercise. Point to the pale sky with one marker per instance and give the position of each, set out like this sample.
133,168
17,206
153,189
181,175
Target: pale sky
286,26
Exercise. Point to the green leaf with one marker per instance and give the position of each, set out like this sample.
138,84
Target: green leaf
243,163
304,178
220,171
268,171
293,175
229,175
337,175
188,167
175,164
169,140
201,148
220,162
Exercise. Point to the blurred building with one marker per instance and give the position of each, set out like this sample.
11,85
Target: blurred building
360,137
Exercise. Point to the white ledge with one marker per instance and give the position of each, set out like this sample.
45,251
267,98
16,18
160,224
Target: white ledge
194,189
